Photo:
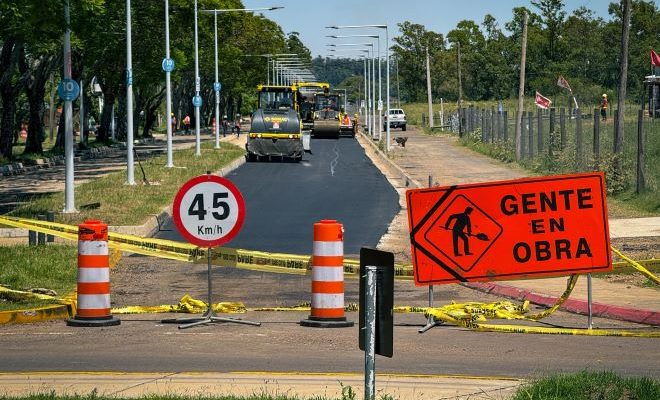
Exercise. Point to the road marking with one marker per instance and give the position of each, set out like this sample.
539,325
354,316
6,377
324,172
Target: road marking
334,162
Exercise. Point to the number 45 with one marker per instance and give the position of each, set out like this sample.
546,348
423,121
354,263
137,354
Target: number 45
197,206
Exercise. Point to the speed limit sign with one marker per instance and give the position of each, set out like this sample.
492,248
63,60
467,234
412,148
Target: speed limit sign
208,210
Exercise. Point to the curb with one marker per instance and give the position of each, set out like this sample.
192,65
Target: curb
47,313
639,316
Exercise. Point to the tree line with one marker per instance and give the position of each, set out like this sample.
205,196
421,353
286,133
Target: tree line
582,47
31,62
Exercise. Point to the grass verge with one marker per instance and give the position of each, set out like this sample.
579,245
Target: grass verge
590,385
133,205
27,267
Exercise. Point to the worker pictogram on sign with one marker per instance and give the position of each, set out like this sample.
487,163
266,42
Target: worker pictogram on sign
469,230
547,226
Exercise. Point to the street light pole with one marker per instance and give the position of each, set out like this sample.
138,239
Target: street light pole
168,88
198,150
130,178
69,203
387,40
216,85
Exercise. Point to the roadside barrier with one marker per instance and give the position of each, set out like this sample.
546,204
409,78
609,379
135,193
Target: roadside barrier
93,305
327,277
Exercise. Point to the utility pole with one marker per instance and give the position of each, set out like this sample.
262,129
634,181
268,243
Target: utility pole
69,202
428,88
460,89
521,88
623,80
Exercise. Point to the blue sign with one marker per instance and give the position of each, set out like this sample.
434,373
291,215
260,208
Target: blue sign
217,86
168,64
197,101
68,89
129,77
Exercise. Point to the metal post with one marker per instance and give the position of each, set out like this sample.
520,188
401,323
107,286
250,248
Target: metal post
198,150
641,175
69,203
429,96
369,96
539,123
562,128
589,302
130,176
370,335
578,139
217,92
442,114
596,141
387,90
81,113
530,134
431,322
50,217
41,237
380,96
366,95
373,93
168,88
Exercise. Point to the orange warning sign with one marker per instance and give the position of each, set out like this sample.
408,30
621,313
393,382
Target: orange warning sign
547,226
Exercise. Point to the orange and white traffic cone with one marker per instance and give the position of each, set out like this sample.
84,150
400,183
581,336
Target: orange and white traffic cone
93,304
327,277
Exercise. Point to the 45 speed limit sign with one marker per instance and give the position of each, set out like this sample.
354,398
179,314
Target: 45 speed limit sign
208,210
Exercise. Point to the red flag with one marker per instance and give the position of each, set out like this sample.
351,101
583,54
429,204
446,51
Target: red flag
655,59
562,82
542,102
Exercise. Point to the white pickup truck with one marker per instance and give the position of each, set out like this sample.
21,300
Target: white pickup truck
396,118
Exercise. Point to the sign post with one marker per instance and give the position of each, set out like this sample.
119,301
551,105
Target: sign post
545,226
208,211
376,308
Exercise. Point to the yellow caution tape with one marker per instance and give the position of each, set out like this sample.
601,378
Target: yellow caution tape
637,266
238,258
186,305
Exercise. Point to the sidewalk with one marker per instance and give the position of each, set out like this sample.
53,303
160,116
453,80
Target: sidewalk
448,163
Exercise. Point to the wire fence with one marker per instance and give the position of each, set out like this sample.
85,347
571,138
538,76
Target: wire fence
560,140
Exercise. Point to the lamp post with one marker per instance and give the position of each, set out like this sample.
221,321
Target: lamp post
387,65
168,65
380,100
372,98
130,176
216,84
69,203
268,57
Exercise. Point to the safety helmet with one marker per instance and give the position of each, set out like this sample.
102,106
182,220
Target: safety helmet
604,95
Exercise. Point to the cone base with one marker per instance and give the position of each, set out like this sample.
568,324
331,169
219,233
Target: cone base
315,322
92,322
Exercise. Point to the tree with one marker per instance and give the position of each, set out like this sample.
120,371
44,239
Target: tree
623,77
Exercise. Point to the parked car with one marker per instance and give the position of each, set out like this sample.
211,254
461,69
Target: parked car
396,118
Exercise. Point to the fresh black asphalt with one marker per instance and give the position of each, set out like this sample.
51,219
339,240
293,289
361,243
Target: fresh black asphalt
284,199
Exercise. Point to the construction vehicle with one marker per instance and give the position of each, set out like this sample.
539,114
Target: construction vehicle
327,115
307,92
276,129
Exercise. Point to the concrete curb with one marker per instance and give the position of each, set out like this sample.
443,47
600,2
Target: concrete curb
46,313
639,316
363,139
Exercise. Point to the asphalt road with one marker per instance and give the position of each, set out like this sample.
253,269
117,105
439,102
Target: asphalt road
284,199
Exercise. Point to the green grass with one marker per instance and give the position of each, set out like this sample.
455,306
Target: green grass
133,205
623,200
589,386
26,267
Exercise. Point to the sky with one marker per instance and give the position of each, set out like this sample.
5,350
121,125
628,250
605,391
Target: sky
310,17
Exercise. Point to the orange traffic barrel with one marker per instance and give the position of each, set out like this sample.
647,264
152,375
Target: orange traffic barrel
327,277
93,304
